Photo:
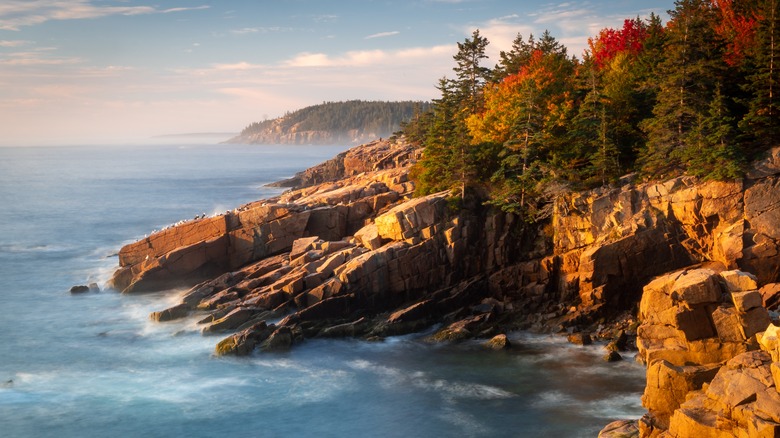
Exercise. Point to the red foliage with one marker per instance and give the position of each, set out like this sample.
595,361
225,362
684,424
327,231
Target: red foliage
737,29
610,41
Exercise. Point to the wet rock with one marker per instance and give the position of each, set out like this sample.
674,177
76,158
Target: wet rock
231,321
245,341
418,311
460,330
280,340
350,329
172,313
579,339
79,289
620,429
612,356
498,342
93,287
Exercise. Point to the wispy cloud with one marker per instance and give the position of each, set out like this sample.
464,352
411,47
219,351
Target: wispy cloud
326,18
15,14
571,23
382,35
366,57
251,30
14,43
35,58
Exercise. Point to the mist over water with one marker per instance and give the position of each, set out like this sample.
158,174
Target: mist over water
94,365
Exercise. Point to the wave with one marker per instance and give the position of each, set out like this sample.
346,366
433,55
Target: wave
21,248
447,389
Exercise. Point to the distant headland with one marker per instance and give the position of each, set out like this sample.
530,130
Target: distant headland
351,122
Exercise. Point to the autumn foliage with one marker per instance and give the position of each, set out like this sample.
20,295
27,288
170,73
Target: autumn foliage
697,95
629,39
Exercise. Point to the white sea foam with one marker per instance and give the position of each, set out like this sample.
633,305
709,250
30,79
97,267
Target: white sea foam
553,398
392,377
22,248
617,407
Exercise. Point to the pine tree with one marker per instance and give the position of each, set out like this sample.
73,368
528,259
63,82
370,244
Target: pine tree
715,154
434,172
762,70
688,76
470,74
511,62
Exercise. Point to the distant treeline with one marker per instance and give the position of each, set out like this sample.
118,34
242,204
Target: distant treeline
381,118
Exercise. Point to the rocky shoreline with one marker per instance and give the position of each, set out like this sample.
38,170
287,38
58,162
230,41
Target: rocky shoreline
350,253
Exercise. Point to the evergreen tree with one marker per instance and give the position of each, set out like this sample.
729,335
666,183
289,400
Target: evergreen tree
762,68
715,155
688,77
511,62
434,172
470,74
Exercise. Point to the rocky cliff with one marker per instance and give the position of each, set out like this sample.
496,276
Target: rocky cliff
688,266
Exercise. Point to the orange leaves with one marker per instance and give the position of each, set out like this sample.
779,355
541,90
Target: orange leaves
737,29
536,97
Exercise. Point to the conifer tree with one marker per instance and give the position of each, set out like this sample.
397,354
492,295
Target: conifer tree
762,68
688,77
512,61
434,172
470,74
715,154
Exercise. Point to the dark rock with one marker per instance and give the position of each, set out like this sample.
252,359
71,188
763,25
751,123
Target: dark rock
231,321
280,340
93,287
613,356
79,289
172,313
244,342
421,310
580,338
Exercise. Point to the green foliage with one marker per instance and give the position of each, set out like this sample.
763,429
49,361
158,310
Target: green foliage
382,118
688,75
761,124
697,95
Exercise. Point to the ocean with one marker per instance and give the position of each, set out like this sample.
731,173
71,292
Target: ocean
95,365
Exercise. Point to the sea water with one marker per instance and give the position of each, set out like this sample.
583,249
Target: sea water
95,365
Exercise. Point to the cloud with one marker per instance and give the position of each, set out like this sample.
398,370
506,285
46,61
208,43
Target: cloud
382,35
368,57
15,14
238,66
34,58
251,30
571,23
14,43
560,15
325,18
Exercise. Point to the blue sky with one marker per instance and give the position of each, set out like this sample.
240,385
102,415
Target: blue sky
109,71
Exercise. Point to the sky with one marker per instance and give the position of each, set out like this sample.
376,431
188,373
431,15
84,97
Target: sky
124,71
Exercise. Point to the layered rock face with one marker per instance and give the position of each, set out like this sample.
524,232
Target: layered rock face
351,253
204,248
610,243
694,322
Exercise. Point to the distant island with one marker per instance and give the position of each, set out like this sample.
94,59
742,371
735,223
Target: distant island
350,122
